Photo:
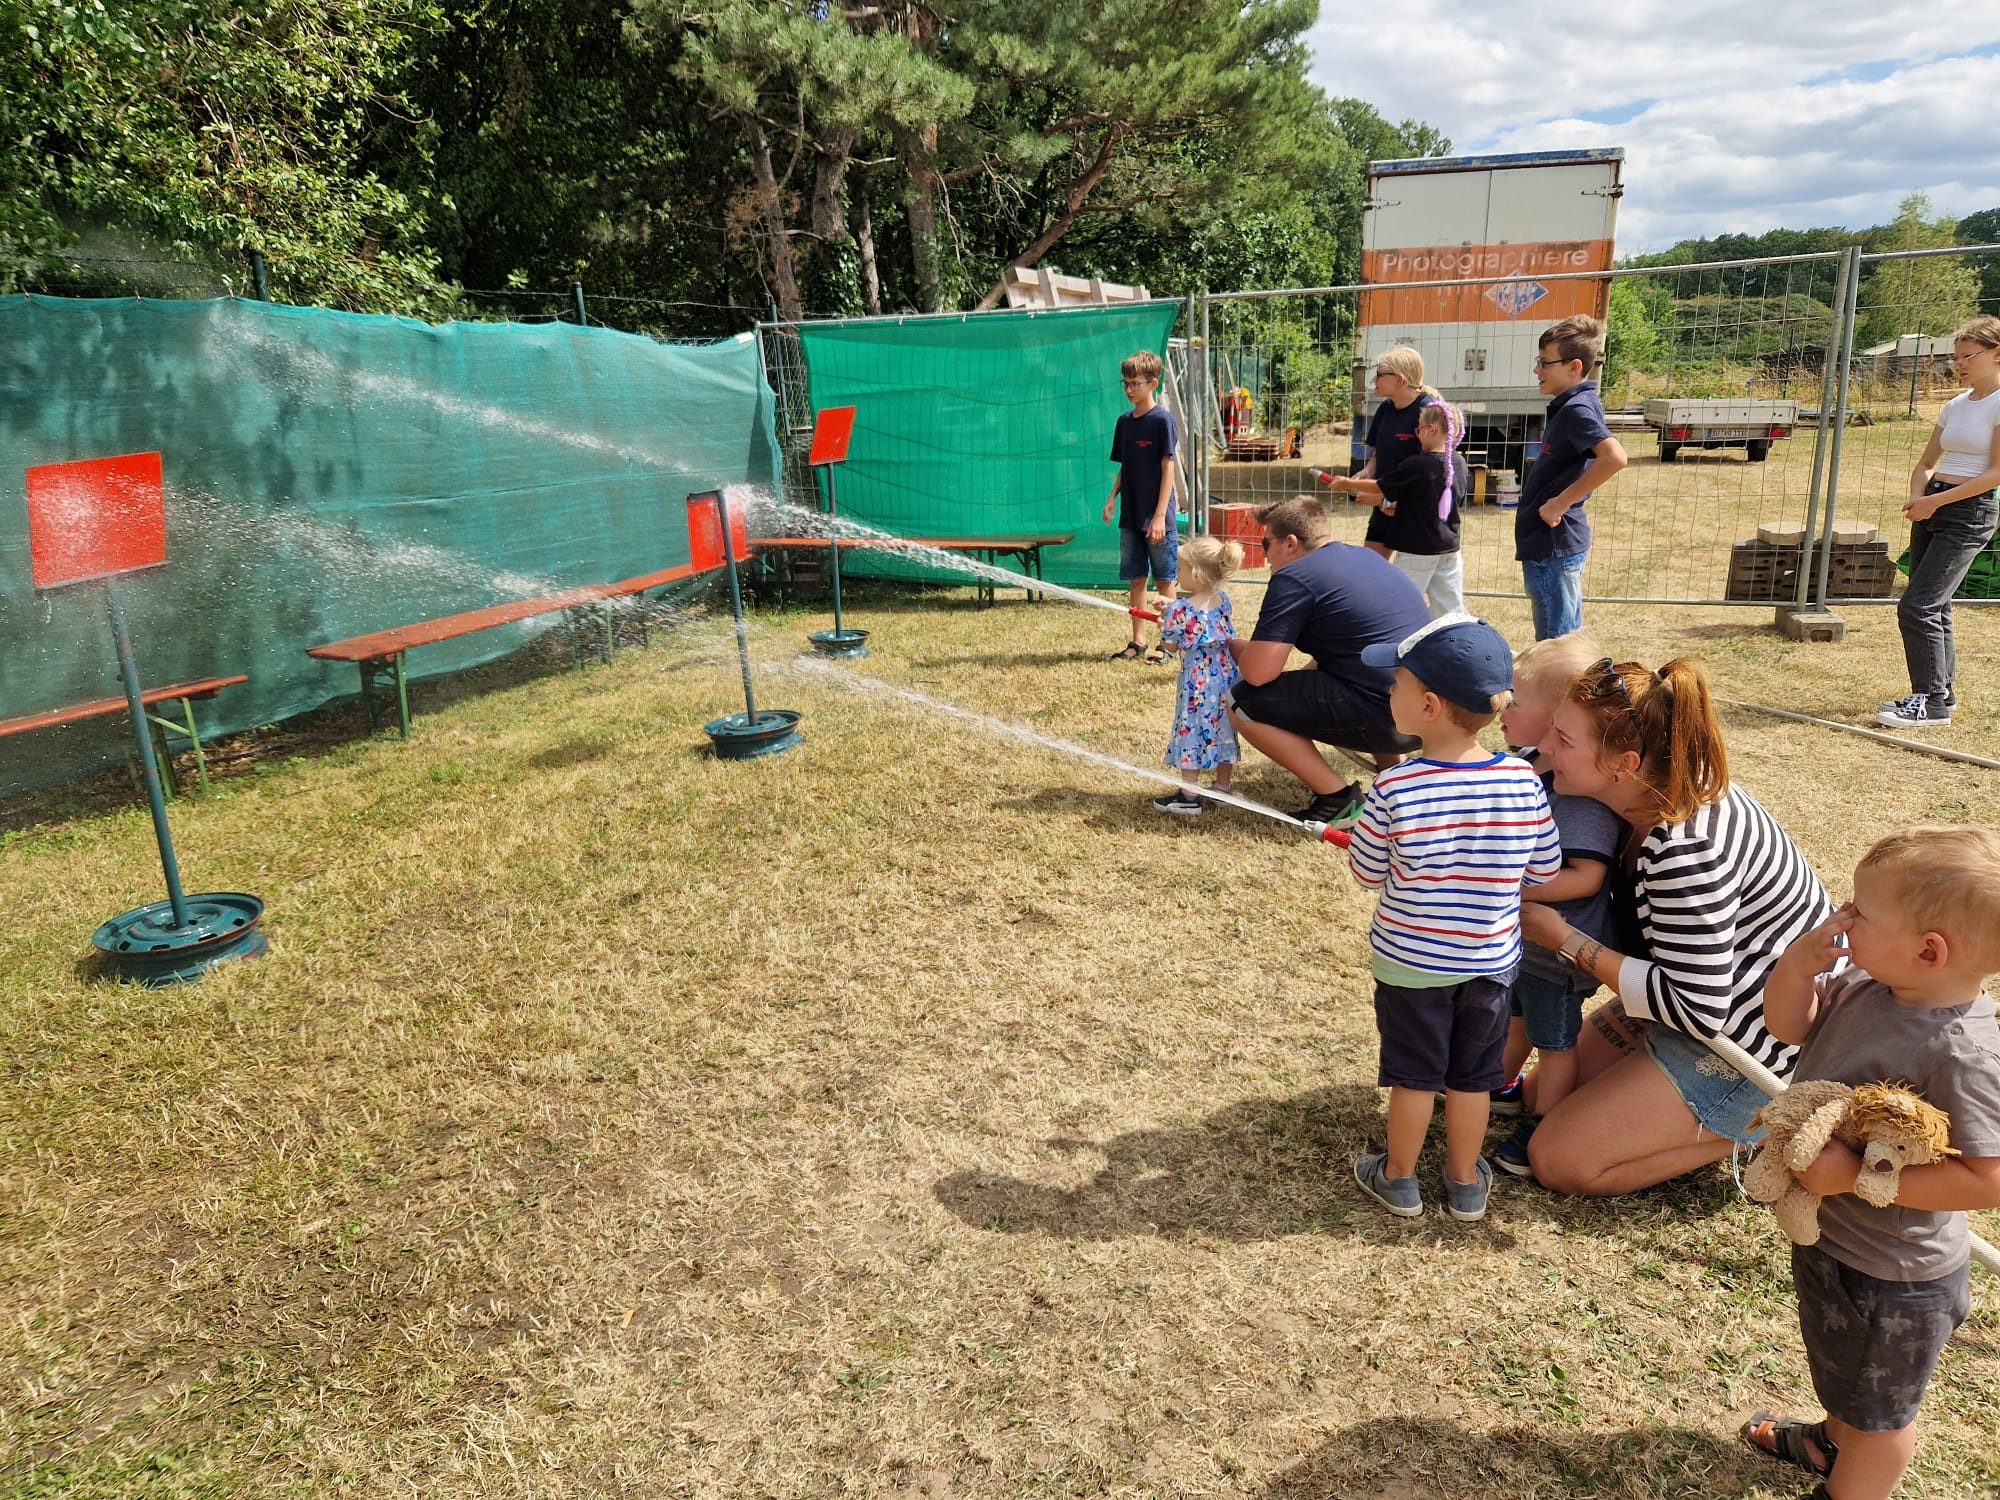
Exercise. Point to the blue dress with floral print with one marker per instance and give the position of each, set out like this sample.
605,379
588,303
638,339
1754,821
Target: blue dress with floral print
1203,736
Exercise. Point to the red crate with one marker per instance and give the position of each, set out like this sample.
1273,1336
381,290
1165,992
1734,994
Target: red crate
1239,521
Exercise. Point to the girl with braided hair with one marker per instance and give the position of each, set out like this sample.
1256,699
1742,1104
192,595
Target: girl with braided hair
1417,508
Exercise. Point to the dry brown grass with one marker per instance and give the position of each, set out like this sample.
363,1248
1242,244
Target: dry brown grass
915,1114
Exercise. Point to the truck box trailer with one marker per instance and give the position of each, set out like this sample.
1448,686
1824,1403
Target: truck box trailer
1751,425
1524,217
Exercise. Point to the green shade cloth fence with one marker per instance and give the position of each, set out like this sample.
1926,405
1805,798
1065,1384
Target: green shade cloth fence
991,424
333,473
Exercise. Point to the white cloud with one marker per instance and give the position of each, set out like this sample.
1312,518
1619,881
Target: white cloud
1733,117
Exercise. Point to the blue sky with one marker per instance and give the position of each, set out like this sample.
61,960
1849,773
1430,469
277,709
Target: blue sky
1734,117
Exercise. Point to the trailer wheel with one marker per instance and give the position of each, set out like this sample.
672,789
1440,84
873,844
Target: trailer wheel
1760,449
1669,452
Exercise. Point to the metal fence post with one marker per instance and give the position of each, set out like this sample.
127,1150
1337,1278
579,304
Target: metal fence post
1844,331
1198,370
1837,343
576,292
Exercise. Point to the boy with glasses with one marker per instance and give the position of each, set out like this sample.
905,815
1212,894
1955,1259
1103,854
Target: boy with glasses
1144,445
1578,456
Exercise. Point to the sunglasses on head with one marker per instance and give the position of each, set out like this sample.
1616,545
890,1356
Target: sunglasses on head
1605,681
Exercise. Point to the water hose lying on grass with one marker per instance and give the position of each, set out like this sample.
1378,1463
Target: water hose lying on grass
1867,734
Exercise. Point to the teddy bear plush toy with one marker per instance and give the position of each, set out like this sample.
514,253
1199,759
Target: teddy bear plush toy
1888,1123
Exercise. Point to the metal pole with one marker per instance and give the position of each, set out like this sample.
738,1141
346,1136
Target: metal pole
1840,428
259,281
736,607
576,294
1822,438
143,742
1207,385
833,545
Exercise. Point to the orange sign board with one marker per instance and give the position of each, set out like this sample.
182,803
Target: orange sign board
705,551
832,429
95,518
1523,298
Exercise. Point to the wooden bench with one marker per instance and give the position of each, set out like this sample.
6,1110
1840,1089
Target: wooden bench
988,549
379,654
183,693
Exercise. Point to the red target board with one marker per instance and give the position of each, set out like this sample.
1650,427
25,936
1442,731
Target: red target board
705,532
832,429
95,518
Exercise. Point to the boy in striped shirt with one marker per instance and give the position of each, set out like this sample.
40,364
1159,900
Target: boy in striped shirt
1448,837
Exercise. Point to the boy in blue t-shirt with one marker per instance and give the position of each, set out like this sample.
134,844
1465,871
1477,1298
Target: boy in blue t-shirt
1578,457
1144,446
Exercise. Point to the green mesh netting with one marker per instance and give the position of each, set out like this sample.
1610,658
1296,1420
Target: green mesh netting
330,474
988,425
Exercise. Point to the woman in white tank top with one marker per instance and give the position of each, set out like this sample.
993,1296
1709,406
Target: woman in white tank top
1952,514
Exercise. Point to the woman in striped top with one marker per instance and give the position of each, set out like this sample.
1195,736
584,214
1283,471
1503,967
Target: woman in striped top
1720,892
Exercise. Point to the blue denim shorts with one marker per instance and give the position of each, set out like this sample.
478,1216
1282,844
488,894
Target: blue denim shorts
1722,1099
1552,1008
1136,556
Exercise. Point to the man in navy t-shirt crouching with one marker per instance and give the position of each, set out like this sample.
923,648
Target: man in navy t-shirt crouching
1330,601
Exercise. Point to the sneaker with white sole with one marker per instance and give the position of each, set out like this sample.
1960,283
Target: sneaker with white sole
1400,1195
1918,711
1181,803
1467,1200
1950,696
1339,809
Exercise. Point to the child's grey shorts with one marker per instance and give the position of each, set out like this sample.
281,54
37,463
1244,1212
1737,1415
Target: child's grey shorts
1871,1344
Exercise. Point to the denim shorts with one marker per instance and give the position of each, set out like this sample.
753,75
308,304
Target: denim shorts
1552,1006
1872,1344
1136,555
1722,1099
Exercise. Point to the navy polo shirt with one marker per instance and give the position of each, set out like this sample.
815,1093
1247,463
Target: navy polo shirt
1139,445
1334,601
1574,428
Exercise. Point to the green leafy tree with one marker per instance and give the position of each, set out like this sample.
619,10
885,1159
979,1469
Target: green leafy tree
1983,228
1927,295
213,129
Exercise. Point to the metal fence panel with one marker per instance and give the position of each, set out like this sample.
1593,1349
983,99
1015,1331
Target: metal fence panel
1899,374
1751,340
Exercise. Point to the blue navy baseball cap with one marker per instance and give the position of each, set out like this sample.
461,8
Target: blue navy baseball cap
1463,660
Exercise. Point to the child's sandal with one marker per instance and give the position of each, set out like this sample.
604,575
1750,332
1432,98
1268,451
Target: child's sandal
1157,655
1792,1441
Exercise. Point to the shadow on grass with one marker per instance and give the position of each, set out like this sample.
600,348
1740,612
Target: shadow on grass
1265,1167
1125,812
1396,1457
1012,659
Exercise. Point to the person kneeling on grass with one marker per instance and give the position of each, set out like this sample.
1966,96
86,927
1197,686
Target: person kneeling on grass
1902,997
1448,838
1331,602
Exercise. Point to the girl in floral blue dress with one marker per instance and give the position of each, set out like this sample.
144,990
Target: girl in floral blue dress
1197,625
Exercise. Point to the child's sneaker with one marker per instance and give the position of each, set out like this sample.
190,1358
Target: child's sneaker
1950,701
1507,1101
1179,802
1511,1155
1399,1195
1918,711
1341,809
1467,1200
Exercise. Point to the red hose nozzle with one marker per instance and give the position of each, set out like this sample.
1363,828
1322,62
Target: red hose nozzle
1322,476
1144,614
1326,833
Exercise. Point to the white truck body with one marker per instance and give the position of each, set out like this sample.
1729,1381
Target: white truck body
1752,425
1525,217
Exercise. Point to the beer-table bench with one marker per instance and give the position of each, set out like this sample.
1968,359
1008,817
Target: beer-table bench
379,654
988,549
183,693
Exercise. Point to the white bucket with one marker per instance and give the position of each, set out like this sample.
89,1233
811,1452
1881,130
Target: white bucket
1507,489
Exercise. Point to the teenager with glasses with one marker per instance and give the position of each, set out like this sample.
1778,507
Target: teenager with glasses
1578,456
1717,892
1952,512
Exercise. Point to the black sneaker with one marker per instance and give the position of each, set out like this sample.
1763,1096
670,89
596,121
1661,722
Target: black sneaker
1341,809
1507,1101
1179,802
1918,711
1950,698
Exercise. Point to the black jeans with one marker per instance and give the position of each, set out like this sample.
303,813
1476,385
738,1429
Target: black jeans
1941,551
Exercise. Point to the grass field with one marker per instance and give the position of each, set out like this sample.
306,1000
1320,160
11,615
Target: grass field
914,1114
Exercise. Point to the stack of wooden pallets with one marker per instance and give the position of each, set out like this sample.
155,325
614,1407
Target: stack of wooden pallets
1765,568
